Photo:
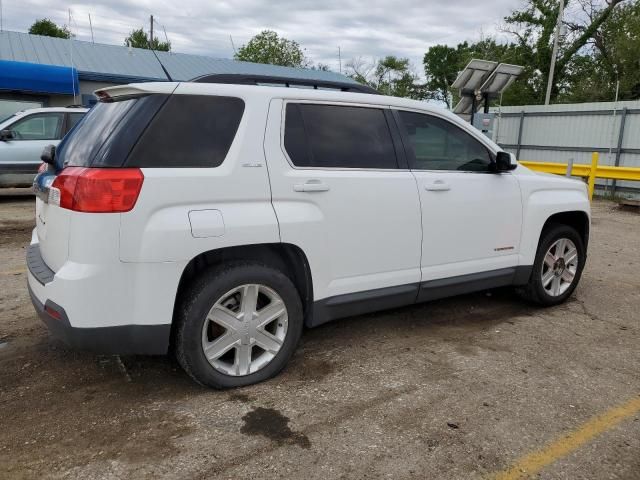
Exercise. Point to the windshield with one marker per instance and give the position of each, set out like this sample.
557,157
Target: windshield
2,120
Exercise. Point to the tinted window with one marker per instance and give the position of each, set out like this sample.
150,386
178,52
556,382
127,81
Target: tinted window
39,126
189,131
440,145
80,148
332,136
74,118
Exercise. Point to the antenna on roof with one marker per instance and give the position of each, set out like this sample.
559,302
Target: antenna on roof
150,43
91,27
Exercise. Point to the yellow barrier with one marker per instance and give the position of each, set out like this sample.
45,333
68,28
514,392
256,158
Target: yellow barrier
591,172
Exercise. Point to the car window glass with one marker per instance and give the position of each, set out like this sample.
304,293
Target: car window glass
42,126
441,145
74,118
334,136
189,131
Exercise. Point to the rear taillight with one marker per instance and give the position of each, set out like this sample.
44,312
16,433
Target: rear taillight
97,190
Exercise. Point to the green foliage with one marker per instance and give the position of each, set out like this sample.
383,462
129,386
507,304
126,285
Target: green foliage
139,39
268,47
599,45
46,27
390,76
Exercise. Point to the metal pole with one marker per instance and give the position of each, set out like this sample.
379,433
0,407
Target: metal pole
151,33
556,40
520,134
623,120
91,27
340,59
569,167
473,107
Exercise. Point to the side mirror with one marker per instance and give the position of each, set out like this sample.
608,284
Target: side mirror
6,135
505,162
48,154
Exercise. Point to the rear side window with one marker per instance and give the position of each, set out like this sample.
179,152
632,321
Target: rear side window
334,136
74,118
189,131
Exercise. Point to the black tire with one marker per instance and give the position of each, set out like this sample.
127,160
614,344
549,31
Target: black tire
200,297
534,291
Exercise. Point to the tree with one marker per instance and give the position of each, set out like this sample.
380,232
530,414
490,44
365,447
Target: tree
47,28
139,39
268,47
442,64
390,76
534,29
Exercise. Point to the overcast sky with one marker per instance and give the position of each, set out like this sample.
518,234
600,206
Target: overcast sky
367,29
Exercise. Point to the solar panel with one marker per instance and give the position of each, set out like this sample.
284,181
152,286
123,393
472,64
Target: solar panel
480,81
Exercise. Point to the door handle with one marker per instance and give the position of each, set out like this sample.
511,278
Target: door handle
437,186
311,186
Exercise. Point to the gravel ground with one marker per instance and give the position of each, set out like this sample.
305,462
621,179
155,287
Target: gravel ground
455,389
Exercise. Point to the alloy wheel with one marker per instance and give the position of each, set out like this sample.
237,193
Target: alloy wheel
559,267
244,330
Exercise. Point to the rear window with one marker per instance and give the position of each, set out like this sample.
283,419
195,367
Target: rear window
154,131
93,141
189,131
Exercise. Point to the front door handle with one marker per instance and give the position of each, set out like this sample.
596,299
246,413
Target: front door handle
311,186
437,186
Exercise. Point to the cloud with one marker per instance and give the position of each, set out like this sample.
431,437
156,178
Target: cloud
370,29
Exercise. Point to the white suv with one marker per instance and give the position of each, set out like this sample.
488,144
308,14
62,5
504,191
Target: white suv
216,220
25,133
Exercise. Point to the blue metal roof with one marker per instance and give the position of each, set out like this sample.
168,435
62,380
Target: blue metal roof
120,64
38,78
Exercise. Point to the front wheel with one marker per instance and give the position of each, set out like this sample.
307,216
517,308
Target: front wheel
557,268
238,325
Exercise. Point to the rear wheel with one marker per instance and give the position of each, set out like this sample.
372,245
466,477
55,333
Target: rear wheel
237,325
557,268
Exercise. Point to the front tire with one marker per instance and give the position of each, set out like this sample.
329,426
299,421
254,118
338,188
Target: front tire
558,266
238,325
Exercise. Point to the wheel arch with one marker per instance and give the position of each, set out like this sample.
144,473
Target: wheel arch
286,257
577,219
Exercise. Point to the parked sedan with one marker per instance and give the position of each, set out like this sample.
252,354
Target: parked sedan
23,136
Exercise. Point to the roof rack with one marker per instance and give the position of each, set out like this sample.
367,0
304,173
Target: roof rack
242,79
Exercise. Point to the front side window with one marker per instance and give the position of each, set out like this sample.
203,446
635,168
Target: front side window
334,136
39,126
441,145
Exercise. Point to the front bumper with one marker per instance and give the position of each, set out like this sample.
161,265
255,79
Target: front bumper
97,333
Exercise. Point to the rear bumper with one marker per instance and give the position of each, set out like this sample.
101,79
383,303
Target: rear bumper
118,340
104,308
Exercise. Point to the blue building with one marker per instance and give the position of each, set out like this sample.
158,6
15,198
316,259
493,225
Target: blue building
37,71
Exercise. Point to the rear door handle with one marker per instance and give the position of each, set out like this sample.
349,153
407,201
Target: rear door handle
437,186
311,186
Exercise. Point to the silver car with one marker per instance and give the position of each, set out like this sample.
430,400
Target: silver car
24,134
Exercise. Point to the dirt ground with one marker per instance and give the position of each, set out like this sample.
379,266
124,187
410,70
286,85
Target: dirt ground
462,388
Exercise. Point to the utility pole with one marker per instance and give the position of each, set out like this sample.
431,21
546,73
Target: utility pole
340,58
554,55
151,32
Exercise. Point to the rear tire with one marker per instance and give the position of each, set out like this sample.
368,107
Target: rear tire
237,324
557,268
